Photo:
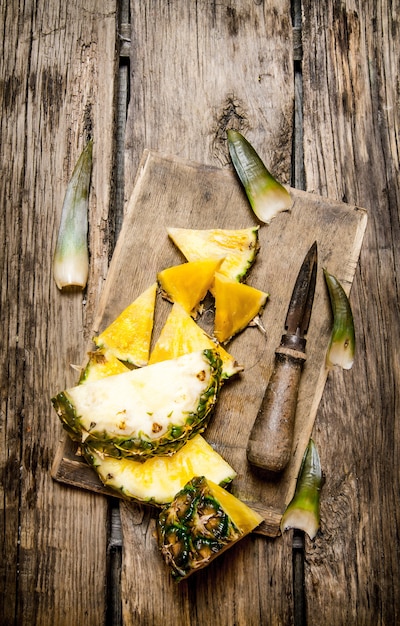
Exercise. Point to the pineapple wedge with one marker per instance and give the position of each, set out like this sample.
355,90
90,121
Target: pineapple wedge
202,521
236,305
238,248
158,479
128,337
101,365
146,411
182,335
188,283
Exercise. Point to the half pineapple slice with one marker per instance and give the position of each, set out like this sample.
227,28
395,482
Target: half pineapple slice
182,335
146,411
236,305
188,283
238,247
157,480
128,337
202,521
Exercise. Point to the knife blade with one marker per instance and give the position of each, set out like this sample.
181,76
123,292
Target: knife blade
271,437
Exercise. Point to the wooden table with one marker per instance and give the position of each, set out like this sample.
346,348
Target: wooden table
316,87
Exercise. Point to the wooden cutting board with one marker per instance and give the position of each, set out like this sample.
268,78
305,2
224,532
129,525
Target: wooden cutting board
172,192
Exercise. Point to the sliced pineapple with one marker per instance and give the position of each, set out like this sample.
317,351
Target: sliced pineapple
146,411
159,478
202,521
236,305
182,335
238,247
188,283
128,337
101,365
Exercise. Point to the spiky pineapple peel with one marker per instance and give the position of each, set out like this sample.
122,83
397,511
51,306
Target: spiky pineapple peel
201,523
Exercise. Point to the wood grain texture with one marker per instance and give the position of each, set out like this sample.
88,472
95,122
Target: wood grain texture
200,68
196,70
351,138
57,69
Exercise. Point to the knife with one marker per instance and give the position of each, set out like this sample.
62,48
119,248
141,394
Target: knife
270,442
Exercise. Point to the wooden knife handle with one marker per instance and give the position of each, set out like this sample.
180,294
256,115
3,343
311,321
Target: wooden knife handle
270,442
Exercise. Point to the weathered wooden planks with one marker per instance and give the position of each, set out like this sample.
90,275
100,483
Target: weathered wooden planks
350,84
351,135
57,72
196,69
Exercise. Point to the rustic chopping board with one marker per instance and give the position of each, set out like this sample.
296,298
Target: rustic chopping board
172,192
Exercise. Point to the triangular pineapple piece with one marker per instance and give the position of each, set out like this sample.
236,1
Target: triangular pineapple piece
101,365
181,335
238,247
203,521
236,305
159,479
128,337
188,283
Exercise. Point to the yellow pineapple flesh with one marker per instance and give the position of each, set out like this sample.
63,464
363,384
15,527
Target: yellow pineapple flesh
157,480
101,365
236,305
128,337
188,283
181,335
238,247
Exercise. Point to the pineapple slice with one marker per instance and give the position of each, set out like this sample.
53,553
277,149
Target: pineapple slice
146,411
188,283
202,521
238,247
128,337
236,305
182,335
101,365
158,479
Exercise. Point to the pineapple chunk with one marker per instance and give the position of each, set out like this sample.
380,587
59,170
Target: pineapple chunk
236,305
188,283
159,478
182,335
100,366
128,337
146,411
202,521
238,247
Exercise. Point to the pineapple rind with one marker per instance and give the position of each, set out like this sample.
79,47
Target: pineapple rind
138,443
197,527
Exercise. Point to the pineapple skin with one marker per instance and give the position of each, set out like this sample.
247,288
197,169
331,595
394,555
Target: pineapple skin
194,529
139,447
